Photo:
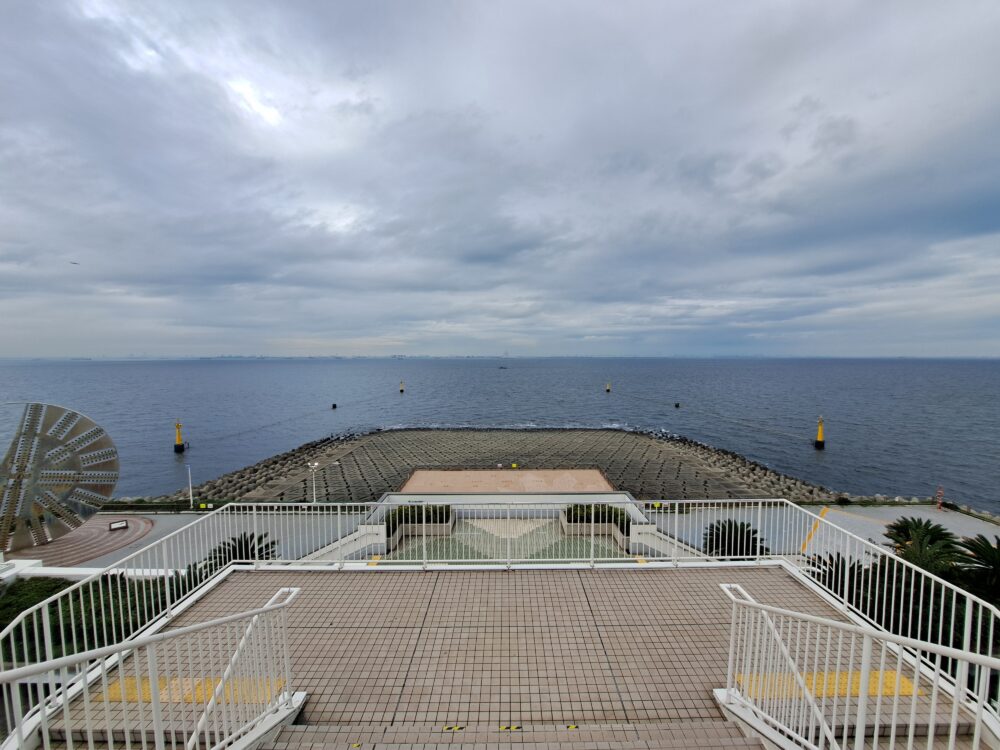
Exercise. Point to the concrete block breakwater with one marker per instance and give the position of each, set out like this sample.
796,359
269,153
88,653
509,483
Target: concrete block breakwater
652,465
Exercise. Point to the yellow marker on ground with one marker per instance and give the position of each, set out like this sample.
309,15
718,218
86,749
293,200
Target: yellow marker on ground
190,690
374,561
640,559
572,726
826,684
815,528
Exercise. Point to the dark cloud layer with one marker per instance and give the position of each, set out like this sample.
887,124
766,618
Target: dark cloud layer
541,178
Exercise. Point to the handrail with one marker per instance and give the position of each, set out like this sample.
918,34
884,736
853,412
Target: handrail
889,703
947,652
825,728
110,569
219,691
896,558
554,499
20,673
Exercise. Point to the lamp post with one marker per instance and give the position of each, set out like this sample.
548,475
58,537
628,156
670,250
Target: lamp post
313,465
190,490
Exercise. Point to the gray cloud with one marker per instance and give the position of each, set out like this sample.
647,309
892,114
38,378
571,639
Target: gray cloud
556,178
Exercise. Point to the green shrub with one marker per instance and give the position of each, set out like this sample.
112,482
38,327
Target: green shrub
416,514
601,513
26,593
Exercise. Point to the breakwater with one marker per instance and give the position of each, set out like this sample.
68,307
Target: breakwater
650,464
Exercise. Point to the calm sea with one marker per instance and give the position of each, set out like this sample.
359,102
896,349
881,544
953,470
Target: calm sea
897,427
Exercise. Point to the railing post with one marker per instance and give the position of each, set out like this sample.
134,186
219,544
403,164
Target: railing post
866,676
423,530
593,520
154,697
760,528
677,531
18,717
340,539
845,563
47,633
168,582
256,538
509,535
284,653
47,639
732,652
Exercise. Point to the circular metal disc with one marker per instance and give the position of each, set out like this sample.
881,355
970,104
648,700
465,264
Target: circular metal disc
59,469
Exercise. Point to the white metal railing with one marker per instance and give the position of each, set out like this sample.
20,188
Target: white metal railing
140,592
132,596
867,579
200,686
812,682
780,695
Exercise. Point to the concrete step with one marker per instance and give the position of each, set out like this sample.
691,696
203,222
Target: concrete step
707,735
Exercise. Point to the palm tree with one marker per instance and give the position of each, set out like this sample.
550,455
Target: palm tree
735,539
902,531
928,549
246,546
982,566
843,576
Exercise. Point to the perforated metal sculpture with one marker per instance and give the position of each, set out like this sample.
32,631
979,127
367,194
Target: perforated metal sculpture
59,469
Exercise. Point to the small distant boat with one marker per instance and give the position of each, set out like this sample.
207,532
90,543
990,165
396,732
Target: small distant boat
502,367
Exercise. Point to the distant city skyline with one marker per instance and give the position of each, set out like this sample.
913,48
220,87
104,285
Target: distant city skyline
447,179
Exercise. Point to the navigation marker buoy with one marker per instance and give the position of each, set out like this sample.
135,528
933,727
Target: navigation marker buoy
607,388
179,444
820,442
402,387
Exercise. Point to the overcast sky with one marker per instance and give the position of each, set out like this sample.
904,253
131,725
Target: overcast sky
310,178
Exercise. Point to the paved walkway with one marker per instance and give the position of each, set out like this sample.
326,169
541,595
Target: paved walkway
507,480
91,540
869,522
520,648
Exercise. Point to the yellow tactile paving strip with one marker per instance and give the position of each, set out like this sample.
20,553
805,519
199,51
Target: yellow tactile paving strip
827,684
188,690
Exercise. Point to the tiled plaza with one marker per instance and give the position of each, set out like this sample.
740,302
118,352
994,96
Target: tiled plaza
495,648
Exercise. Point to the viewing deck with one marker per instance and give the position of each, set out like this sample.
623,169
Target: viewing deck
494,648
563,620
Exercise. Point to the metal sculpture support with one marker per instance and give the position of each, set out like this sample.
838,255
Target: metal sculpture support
59,469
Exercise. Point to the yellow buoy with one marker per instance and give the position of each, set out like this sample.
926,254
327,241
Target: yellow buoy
402,387
178,439
607,388
820,442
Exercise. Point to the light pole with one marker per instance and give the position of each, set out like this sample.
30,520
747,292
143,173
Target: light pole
190,490
313,465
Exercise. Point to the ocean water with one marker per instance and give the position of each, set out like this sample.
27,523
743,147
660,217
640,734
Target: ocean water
896,427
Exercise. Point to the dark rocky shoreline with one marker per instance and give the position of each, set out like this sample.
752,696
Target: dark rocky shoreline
285,476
